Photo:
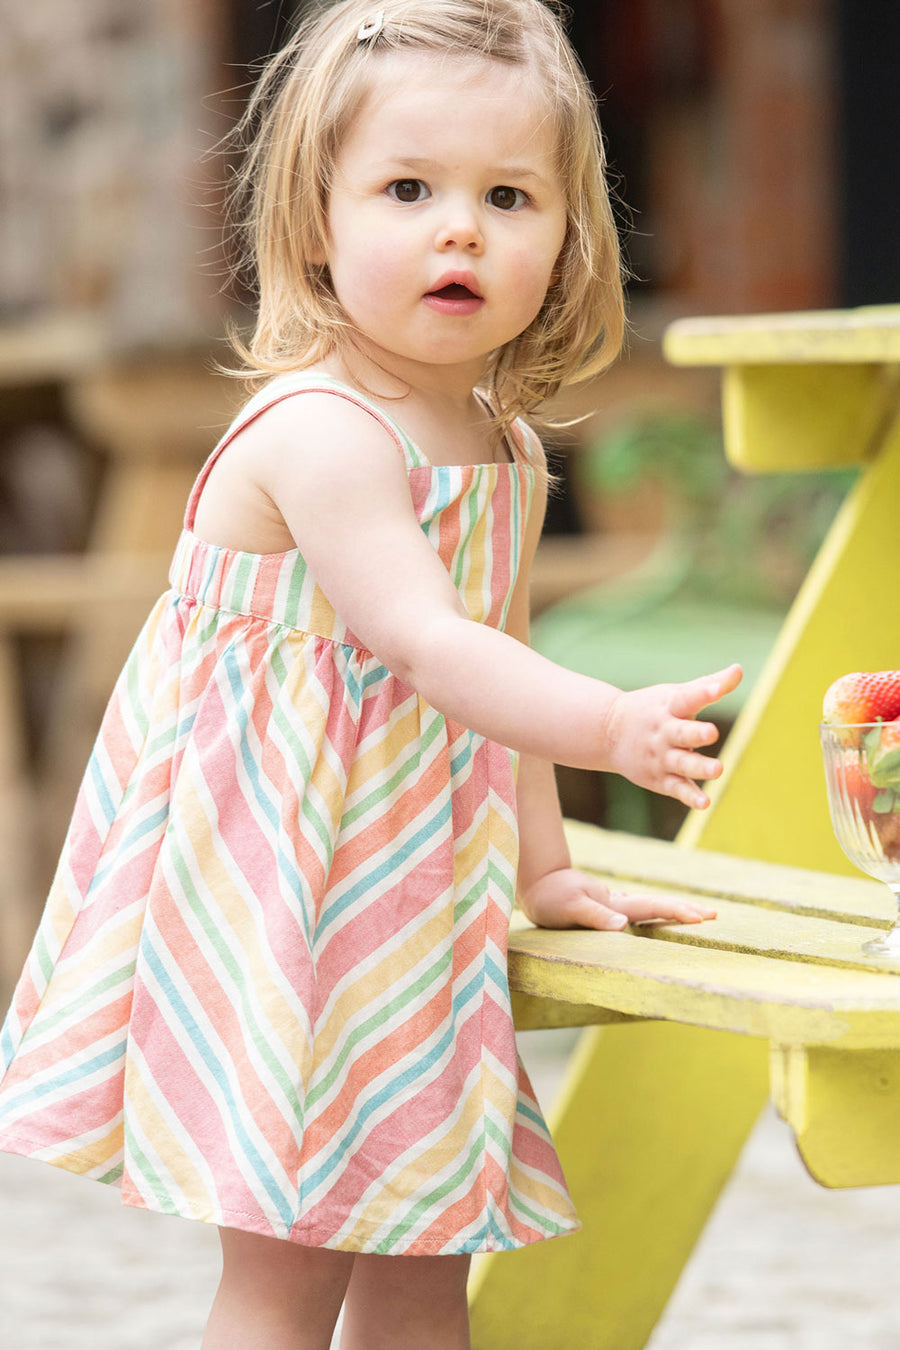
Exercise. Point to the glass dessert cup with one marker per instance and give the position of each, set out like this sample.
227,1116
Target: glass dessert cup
862,776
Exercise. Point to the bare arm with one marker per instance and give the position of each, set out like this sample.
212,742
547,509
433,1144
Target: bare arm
339,481
550,891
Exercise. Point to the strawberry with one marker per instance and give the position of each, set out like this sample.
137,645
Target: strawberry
863,697
857,786
888,828
884,755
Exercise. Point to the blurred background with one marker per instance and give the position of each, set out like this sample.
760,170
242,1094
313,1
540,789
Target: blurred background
752,152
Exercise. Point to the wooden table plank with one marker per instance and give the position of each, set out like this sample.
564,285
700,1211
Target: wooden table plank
780,936
52,348
647,862
867,334
40,592
788,1002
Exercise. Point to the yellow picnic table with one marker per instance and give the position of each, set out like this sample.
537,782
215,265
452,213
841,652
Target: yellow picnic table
691,1027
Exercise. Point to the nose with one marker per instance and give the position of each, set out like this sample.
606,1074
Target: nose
460,229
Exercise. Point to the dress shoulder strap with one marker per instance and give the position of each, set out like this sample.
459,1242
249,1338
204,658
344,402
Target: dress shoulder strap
276,391
528,448
522,442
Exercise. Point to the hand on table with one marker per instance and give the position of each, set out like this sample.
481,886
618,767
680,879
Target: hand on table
569,898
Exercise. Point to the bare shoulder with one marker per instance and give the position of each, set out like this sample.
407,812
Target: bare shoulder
329,461
318,425
295,446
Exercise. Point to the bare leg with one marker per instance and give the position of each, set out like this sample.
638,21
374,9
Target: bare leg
275,1295
407,1303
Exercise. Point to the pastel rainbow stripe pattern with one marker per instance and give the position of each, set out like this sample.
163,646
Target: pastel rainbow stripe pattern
268,990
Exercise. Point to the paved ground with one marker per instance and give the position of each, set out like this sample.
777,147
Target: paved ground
786,1265
783,1265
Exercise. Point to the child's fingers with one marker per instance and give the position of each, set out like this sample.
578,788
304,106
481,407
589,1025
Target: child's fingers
646,909
684,791
690,697
605,910
684,764
590,913
596,906
687,734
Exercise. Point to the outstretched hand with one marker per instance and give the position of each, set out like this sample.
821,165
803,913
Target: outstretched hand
568,898
654,737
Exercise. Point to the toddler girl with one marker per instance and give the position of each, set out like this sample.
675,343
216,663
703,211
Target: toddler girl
269,988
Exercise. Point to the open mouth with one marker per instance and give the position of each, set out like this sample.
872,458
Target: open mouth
455,291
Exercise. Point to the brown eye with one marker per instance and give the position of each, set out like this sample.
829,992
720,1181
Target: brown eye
408,190
506,198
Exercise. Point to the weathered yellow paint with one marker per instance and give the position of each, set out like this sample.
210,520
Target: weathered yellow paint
787,1074
843,1104
841,336
778,419
626,858
844,1109
787,1002
532,1012
604,1288
771,802
647,1129
772,933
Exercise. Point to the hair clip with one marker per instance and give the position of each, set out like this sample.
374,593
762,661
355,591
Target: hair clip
371,28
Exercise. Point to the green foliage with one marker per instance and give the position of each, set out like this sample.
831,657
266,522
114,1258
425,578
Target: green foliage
750,539
684,451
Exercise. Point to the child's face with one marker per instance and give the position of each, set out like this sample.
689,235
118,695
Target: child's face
447,213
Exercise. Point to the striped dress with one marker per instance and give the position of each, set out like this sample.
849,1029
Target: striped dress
269,988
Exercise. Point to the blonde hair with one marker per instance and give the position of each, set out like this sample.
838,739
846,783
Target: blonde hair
294,126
